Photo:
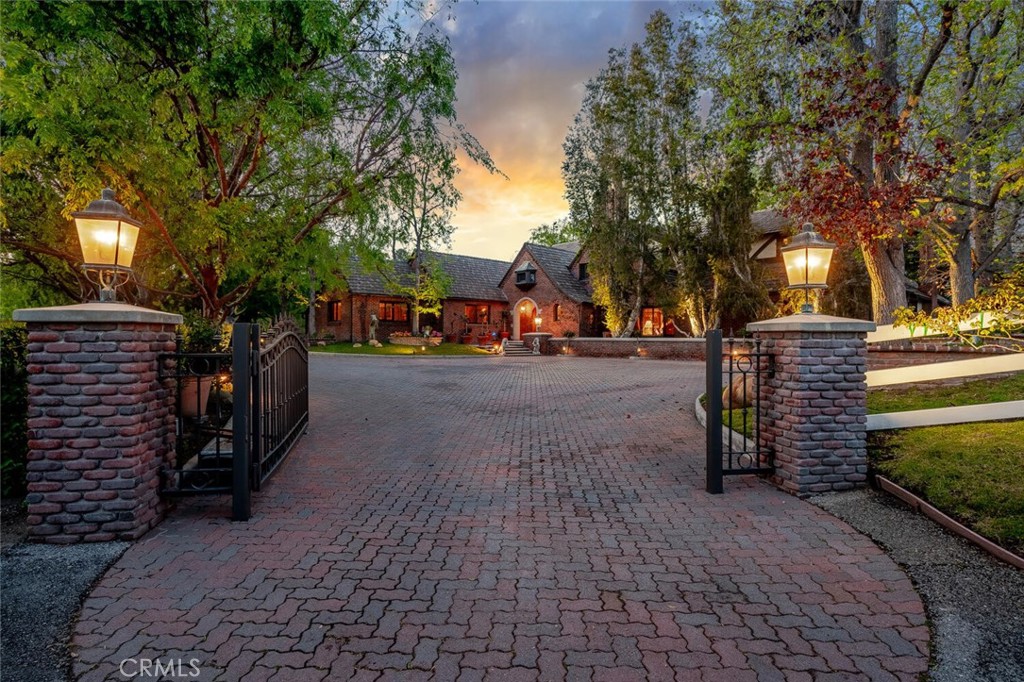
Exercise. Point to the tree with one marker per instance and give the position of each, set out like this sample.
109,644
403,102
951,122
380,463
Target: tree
557,232
421,203
644,173
237,131
854,97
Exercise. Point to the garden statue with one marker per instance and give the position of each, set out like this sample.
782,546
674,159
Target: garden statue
536,346
373,327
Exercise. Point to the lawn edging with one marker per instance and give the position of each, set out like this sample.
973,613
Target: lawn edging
740,443
947,522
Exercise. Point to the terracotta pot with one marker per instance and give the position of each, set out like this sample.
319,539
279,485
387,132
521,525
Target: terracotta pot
505,335
483,339
451,338
195,394
467,339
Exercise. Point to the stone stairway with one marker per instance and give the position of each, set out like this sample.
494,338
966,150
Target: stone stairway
517,349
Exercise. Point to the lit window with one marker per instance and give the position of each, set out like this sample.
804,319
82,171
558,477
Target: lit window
557,309
478,314
393,311
334,311
650,322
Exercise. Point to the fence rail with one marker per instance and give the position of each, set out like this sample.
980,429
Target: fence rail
964,414
941,416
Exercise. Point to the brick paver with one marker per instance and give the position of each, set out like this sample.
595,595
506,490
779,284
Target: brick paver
536,519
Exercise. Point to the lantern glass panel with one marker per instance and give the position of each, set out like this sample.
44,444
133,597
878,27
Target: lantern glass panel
107,242
807,267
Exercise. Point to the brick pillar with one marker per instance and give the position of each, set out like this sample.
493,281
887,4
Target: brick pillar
101,423
813,409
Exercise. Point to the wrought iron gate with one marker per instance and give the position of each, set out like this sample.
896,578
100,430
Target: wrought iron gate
237,450
734,443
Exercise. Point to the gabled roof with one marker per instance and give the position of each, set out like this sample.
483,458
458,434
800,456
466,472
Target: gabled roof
770,221
471,277
555,262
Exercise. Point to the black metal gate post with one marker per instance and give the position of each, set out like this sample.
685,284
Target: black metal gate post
241,496
713,393
256,426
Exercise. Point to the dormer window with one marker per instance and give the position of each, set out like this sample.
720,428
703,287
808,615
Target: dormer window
526,275
583,271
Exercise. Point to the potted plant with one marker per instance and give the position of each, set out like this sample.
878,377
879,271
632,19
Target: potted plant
467,336
569,336
199,335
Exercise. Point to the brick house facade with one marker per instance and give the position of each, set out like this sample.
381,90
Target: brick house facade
543,282
549,283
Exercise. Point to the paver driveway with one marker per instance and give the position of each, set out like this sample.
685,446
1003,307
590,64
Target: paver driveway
525,519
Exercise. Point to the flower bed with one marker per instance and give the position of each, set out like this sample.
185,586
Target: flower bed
415,340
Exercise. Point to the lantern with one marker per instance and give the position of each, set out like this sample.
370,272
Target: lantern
807,258
108,236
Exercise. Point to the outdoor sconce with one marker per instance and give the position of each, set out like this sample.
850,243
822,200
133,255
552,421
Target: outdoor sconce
537,321
807,257
108,236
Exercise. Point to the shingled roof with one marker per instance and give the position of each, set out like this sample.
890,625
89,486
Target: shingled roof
770,221
555,261
471,277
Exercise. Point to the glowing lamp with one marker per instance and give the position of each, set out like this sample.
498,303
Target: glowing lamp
807,258
108,236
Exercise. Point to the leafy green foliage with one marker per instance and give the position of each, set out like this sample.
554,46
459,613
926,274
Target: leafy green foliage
662,194
557,232
251,137
13,409
996,315
883,118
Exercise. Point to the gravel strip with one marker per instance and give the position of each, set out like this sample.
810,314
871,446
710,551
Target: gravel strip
974,601
41,590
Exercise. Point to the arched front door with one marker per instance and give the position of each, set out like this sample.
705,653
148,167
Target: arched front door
526,312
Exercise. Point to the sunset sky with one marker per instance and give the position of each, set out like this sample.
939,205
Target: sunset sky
522,69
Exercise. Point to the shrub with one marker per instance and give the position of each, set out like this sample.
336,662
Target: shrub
13,409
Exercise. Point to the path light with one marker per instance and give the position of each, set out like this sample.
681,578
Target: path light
807,257
108,236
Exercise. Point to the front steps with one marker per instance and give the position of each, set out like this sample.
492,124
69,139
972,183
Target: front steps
517,349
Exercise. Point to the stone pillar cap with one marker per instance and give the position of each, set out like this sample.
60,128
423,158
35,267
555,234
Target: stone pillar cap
96,313
812,323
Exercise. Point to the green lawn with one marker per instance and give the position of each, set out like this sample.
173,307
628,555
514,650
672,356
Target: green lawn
974,472
396,349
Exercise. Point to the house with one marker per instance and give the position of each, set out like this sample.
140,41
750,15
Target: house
544,288
475,301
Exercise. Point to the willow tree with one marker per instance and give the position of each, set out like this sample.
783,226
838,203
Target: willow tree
241,133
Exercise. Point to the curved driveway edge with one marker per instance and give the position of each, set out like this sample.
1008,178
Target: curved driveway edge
526,519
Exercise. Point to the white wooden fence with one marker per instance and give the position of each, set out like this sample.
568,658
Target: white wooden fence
992,364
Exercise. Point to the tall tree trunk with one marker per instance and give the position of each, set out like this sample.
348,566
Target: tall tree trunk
886,268
886,260
961,270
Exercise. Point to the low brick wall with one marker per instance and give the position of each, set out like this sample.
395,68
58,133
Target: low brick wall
101,422
908,353
656,348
